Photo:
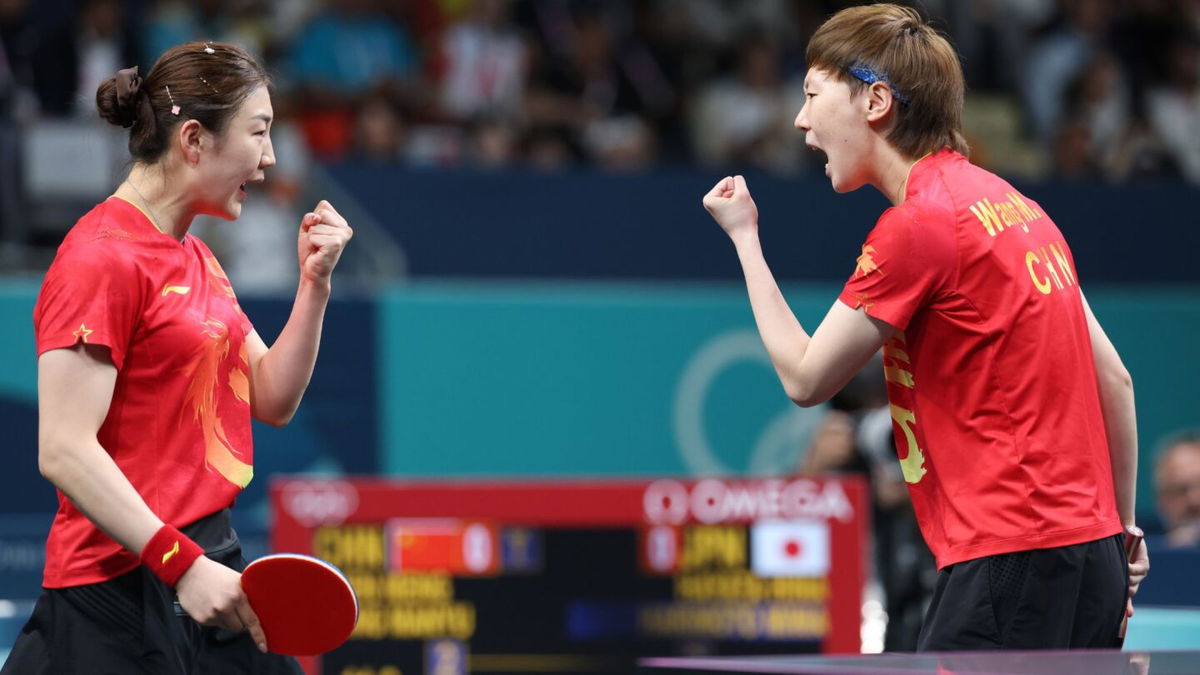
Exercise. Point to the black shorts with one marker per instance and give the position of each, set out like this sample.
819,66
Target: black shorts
1069,597
133,624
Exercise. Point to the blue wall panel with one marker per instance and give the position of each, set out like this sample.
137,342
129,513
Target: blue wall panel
651,226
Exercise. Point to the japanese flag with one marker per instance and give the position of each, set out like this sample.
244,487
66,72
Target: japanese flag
789,548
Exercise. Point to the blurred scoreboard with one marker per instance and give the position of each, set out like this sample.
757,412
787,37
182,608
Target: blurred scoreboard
581,576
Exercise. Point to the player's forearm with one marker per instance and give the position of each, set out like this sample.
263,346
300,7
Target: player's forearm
1120,425
785,339
89,477
285,370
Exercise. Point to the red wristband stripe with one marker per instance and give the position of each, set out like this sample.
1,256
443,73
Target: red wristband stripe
169,554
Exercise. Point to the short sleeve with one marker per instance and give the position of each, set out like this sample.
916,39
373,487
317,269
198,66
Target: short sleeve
247,325
89,297
904,264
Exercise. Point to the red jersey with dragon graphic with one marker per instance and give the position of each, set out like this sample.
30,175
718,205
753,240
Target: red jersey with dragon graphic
991,377
179,423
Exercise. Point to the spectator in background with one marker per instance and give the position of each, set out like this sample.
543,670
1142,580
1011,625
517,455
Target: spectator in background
484,64
1140,154
745,119
380,131
351,49
80,54
992,35
598,94
548,149
1177,483
242,22
645,40
1072,157
1143,30
1101,137
492,143
1173,108
344,53
832,447
1099,101
1058,59
659,54
620,143
287,18
18,42
722,23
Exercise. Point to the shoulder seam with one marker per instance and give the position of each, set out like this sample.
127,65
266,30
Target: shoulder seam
954,211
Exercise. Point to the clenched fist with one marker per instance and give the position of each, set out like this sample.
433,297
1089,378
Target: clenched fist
323,235
730,204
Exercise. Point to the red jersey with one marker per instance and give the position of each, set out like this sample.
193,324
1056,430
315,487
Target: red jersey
990,376
178,426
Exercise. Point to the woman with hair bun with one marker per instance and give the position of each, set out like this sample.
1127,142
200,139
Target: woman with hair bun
148,375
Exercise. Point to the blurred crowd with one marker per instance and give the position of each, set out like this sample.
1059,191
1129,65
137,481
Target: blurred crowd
1063,88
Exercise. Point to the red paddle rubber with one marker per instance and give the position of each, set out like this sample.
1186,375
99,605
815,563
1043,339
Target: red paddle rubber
306,606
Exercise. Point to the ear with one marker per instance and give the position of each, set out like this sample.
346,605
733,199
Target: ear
879,101
192,139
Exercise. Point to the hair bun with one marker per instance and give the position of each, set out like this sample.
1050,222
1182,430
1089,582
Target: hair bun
119,96
128,86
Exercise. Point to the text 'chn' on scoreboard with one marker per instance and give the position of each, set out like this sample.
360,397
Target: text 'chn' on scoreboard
581,576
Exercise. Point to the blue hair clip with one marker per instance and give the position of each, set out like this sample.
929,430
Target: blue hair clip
868,75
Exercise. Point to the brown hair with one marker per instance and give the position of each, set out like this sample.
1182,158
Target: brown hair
208,81
895,43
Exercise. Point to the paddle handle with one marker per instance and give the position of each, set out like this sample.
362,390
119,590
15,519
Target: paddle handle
1133,539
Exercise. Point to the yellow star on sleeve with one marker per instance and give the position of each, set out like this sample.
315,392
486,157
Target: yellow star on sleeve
83,333
866,263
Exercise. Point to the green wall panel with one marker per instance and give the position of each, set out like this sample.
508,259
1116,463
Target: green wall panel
537,379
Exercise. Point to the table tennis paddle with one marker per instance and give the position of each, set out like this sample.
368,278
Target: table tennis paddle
306,606
1132,539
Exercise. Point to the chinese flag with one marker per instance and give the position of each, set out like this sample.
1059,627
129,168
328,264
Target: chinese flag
441,545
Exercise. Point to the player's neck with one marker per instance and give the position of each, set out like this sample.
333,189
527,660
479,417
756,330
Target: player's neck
892,173
147,188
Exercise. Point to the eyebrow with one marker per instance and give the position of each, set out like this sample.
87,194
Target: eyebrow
262,116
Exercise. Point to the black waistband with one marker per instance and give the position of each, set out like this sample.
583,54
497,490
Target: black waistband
214,533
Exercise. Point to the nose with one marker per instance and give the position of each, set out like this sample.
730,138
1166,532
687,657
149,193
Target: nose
268,156
801,121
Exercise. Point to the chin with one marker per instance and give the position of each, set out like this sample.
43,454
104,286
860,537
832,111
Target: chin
843,185
230,212
227,211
